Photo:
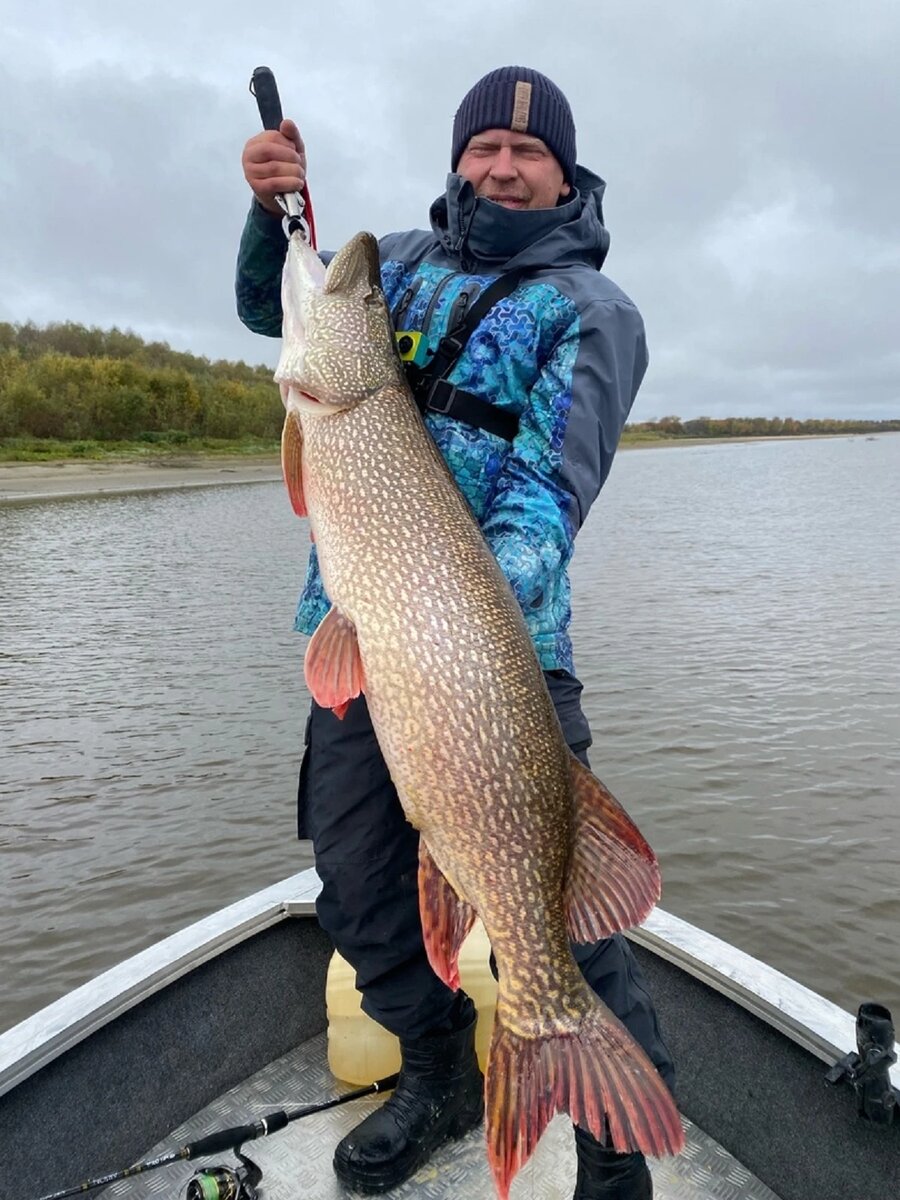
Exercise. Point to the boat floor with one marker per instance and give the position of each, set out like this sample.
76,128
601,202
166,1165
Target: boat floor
296,1162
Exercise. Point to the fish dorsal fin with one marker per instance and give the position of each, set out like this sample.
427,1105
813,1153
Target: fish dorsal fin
613,880
292,462
446,920
333,667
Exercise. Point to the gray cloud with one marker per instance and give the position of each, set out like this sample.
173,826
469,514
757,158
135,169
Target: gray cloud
753,181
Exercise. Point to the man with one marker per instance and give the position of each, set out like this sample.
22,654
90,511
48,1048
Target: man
526,402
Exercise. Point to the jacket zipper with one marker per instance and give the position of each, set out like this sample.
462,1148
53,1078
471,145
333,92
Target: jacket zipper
432,303
406,300
461,306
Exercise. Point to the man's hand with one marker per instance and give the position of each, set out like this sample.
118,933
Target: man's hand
274,164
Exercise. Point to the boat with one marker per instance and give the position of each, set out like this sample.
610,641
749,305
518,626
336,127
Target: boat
226,1021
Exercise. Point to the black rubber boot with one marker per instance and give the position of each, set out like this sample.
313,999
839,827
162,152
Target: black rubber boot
605,1175
439,1096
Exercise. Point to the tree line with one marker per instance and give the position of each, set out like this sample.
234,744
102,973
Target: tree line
736,427
69,382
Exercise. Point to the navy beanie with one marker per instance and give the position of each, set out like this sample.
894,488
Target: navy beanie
523,100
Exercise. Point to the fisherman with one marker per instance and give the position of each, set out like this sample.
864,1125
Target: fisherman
526,361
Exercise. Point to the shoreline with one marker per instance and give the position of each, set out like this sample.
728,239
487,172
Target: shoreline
71,478
67,478
660,443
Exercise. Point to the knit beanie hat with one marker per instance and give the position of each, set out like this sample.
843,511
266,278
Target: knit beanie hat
523,100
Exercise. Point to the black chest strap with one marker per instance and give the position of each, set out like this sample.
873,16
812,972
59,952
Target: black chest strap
430,386
463,406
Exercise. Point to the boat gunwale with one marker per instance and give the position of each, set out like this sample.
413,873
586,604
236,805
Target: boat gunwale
816,1024
48,1034
800,1014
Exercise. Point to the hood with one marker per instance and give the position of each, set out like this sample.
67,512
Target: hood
479,232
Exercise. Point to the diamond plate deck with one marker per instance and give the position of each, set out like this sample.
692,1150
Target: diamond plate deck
296,1162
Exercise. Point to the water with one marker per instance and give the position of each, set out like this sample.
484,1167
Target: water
737,628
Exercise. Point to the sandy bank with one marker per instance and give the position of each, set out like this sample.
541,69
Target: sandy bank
39,481
54,480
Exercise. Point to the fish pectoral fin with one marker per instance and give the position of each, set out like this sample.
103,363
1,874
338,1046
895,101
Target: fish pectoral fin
613,880
292,462
333,666
446,920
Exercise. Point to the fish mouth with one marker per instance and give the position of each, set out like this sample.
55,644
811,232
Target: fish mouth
297,401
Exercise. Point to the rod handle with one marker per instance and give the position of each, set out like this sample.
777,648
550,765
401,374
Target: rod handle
265,89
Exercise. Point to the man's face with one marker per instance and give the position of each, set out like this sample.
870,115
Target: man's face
513,169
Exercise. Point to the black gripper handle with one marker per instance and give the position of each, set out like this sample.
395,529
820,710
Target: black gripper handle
265,89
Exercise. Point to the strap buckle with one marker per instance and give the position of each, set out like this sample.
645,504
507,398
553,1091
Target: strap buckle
441,397
450,347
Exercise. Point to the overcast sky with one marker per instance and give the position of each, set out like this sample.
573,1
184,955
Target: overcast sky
750,149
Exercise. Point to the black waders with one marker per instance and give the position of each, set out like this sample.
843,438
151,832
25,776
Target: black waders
605,1175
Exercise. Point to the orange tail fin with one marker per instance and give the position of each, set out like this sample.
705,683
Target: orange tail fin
599,1076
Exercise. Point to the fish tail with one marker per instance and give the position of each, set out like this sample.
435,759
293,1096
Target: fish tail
598,1074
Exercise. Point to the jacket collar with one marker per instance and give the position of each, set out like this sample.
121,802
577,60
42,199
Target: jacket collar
477,231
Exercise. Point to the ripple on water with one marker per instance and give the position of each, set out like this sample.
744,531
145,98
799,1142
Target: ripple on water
736,629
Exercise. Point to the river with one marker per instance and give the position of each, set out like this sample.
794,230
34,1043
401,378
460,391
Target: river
737,628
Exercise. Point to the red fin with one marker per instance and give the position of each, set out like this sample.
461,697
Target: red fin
333,667
446,920
292,462
599,1076
613,879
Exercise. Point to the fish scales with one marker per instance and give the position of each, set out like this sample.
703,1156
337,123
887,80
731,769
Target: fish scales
486,779
513,828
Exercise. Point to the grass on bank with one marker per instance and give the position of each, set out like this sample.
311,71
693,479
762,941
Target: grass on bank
150,449
174,447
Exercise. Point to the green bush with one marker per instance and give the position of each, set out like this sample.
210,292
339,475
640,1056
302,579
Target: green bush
66,381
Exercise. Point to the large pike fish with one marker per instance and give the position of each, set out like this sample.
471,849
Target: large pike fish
513,828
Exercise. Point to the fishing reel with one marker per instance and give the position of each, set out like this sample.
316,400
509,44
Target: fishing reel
226,1183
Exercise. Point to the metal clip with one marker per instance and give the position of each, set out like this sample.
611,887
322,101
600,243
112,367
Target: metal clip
294,209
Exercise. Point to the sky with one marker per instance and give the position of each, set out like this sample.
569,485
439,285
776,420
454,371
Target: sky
749,148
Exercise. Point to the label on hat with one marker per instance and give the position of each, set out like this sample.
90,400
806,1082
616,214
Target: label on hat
521,108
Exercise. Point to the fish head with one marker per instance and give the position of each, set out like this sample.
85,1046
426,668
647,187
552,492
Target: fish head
337,340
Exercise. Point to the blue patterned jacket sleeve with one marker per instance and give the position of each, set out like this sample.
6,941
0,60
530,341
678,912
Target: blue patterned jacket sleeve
612,360
568,434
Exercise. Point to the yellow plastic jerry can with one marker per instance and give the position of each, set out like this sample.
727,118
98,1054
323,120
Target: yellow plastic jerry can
361,1051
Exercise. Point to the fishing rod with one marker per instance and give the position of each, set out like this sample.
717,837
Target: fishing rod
297,206
226,1183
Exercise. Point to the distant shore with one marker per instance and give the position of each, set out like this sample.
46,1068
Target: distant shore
659,443
24,481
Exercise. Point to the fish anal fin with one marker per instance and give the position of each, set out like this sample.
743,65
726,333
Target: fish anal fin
292,462
333,666
613,880
446,920
595,1072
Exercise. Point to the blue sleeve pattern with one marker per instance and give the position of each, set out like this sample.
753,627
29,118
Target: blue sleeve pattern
528,525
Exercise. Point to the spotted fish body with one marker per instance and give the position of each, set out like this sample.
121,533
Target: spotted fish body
513,828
